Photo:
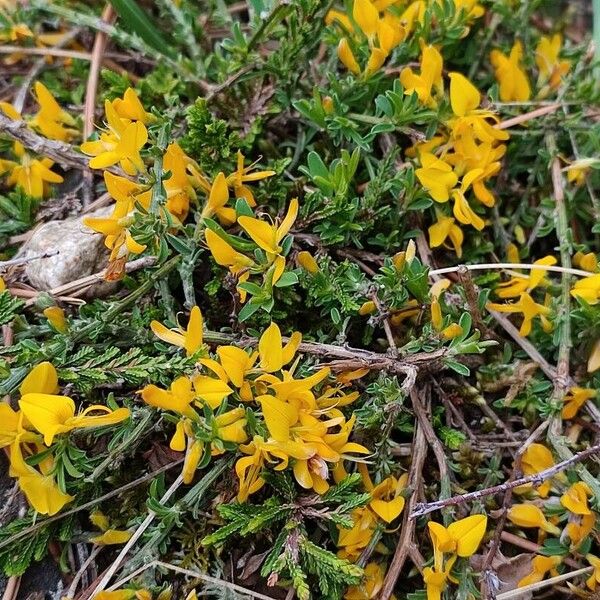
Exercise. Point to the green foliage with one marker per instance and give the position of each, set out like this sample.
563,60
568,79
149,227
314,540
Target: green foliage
209,139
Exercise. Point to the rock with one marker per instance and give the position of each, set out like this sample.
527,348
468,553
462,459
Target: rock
81,252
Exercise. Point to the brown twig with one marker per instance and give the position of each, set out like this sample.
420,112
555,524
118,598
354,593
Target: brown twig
91,89
404,544
434,443
11,591
488,588
534,114
59,152
80,285
535,479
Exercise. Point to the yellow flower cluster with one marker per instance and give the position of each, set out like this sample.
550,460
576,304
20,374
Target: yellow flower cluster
267,236
383,25
33,175
512,79
573,499
459,539
461,157
43,415
297,423
122,142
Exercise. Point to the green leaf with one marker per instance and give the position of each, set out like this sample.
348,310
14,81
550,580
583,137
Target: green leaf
137,21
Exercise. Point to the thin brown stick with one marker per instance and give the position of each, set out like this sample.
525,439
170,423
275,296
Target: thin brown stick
534,114
434,443
85,282
12,588
536,479
59,152
91,89
408,525
128,486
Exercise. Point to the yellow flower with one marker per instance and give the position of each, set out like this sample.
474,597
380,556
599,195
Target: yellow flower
574,400
461,538
575,499
126,192
268,237
118,239
594,579
190,338
51,119
109,536
32,175
120,144
579,527
40,489
130,108
525,305
352,541
436,176
56,317
535,459
386,501
462,209
177,398
273,354
431,76
51,415
587,288
530,516
587,262
514,85
307,262
551,68
217,199
178,186
525,283
444,228
370,586
242,175
540,566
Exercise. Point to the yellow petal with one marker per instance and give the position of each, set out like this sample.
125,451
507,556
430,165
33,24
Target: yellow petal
263,234
49,414
279,417
43,493
167,335
178,440
235,361
111,536
212,391
464,96
389,510
270,349
56,316
194,333
42,378
366,17
468,534
347,57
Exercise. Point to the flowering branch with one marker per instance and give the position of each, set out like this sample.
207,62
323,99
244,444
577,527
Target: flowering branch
537,478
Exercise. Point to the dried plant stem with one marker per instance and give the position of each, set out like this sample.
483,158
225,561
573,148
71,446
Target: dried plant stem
190,573
534,114
498,266
112,494
536,479
403,547
135,537
59,152
520,592
12,588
